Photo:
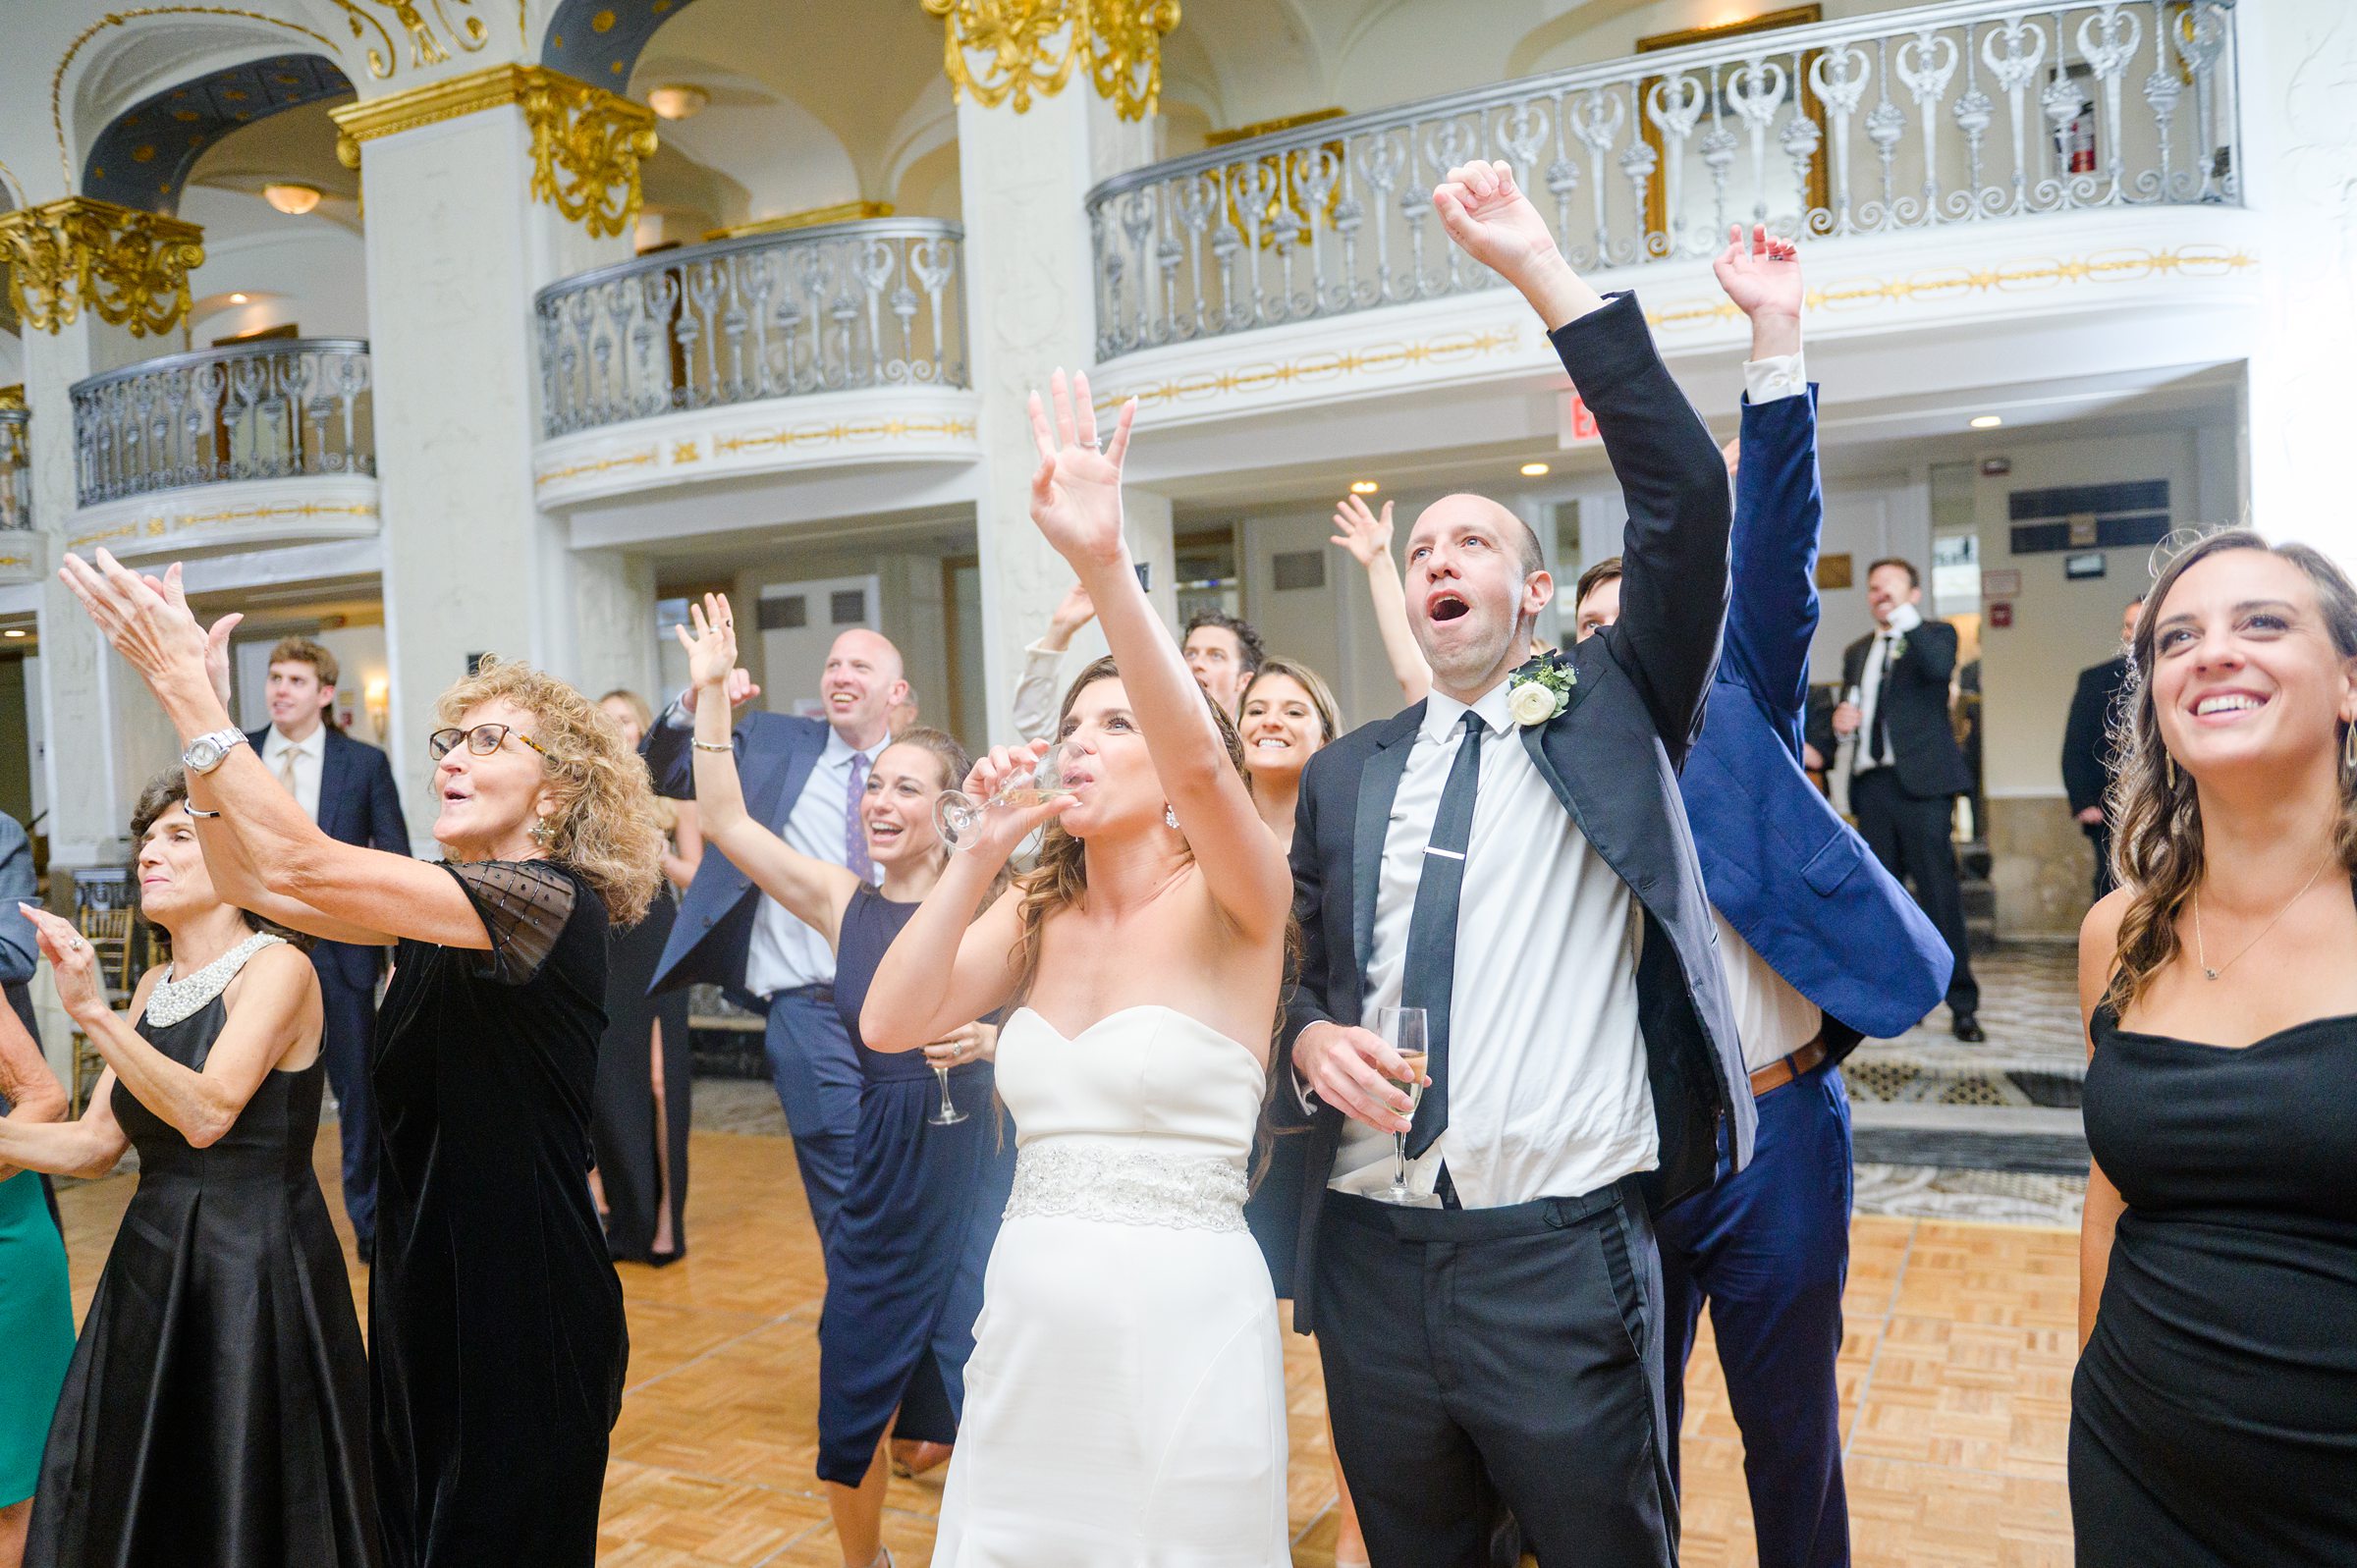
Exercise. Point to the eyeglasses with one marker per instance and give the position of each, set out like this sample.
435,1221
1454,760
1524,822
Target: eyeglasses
482,740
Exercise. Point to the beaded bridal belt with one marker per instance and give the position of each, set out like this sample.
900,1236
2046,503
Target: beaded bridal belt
1127,1187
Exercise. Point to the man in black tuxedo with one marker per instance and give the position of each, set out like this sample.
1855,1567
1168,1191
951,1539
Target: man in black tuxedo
1511,856
346,786
2087,745
1907,769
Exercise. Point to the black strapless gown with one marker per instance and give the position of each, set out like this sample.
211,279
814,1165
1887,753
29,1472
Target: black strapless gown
2213,1416
216,1413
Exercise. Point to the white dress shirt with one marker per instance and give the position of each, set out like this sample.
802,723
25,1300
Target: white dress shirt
1903,619
1772,1019
1547,1089
785,954
1033,709
310,755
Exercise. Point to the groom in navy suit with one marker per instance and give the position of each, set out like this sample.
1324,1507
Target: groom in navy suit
804,778
1821,947
346,786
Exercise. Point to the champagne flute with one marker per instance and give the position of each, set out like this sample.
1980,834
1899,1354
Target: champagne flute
949,1115
957,813
1403,1029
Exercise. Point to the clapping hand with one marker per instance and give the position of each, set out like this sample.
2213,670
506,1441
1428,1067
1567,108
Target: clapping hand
1358,530
72,960
146,619
712,646
1076,493
216,652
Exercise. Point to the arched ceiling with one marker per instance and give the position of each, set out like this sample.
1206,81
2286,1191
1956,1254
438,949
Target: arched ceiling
600,40
144,157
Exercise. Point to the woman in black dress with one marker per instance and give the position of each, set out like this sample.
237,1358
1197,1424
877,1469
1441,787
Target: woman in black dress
497,1341
2213,1417
904,1268
215,1413
640,1113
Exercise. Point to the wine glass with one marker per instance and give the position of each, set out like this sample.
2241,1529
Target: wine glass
949,1115
957,813
1403,1029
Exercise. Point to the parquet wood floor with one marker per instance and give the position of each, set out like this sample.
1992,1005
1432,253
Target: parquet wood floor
1955,1392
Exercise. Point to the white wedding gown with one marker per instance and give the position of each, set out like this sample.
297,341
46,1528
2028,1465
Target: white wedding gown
1124,1404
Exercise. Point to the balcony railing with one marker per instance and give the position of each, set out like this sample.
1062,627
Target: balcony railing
880,303
278,408
16,464
1957,113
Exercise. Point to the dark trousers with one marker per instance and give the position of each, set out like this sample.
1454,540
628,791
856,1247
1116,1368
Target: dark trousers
1768,1249
1914,840
815,1069
1479,1358
347,1043
2100,834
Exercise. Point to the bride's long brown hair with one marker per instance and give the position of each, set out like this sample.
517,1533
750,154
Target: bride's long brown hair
2157,853
1059,879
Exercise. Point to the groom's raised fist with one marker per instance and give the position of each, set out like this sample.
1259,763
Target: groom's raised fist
1356,1072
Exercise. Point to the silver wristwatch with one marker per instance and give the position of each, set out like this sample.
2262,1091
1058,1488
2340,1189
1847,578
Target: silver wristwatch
205,752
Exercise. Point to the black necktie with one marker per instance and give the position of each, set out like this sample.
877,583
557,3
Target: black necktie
1878,733
1430,974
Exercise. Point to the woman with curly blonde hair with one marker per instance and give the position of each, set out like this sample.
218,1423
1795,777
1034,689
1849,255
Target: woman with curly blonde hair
497,1343
2217,1388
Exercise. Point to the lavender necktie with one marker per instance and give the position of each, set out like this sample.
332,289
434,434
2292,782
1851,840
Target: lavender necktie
855,838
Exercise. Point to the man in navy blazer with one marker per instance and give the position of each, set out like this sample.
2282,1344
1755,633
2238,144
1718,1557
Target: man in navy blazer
804,778
346,786
1819,945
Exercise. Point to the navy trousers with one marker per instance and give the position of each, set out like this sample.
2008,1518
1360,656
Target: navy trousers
347,1042
815,1069
1768,1249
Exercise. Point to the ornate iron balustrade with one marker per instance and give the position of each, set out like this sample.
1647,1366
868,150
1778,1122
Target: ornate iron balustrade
877,303
16,464
1963,112
278,408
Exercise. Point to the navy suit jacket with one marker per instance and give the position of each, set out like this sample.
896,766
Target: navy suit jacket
775,754
1841,932
1612,760
357,805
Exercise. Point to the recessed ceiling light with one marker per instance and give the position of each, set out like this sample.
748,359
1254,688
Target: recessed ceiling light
236,298
678,100
291,198
1532,471
1365,487
1986,422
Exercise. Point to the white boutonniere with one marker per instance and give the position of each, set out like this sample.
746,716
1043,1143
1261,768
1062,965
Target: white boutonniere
1537,692
1898,647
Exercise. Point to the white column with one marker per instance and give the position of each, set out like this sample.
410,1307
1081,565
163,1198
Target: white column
456,249
106,736
2299,168
1025,180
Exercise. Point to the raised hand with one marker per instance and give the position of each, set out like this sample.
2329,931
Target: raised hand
148,620
72,960
1076,493
1077,610
216,653
712,648
1358,530
1492,221
1761,276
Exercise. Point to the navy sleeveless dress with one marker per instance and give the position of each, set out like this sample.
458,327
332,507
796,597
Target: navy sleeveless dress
2214,1416
905,1270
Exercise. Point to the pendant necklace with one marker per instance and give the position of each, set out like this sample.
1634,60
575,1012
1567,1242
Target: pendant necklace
2200,953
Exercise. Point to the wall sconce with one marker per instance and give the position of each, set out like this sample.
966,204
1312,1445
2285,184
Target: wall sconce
377,697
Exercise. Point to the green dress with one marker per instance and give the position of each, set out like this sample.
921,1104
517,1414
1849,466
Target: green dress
36,1325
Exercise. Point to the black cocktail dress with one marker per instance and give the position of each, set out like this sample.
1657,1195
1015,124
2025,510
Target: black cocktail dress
2213,1416
624,1127
495,1318
216,1411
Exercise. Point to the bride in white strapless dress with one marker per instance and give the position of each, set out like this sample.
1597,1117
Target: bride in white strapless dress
1124,1403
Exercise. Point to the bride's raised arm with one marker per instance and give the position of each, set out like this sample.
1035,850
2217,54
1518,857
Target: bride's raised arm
1076,503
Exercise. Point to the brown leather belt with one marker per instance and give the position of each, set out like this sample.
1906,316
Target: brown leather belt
1782,1071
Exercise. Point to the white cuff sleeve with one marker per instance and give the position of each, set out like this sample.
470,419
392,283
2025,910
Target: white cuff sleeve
675,714
1905,619
1779,375
1302,1092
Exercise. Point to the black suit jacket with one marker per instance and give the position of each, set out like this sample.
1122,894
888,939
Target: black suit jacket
1611,757
1914,700
357,805
2087,737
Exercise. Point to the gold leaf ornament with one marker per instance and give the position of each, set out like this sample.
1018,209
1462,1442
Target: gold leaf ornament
129,268
1016,42
1124,51
587,149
